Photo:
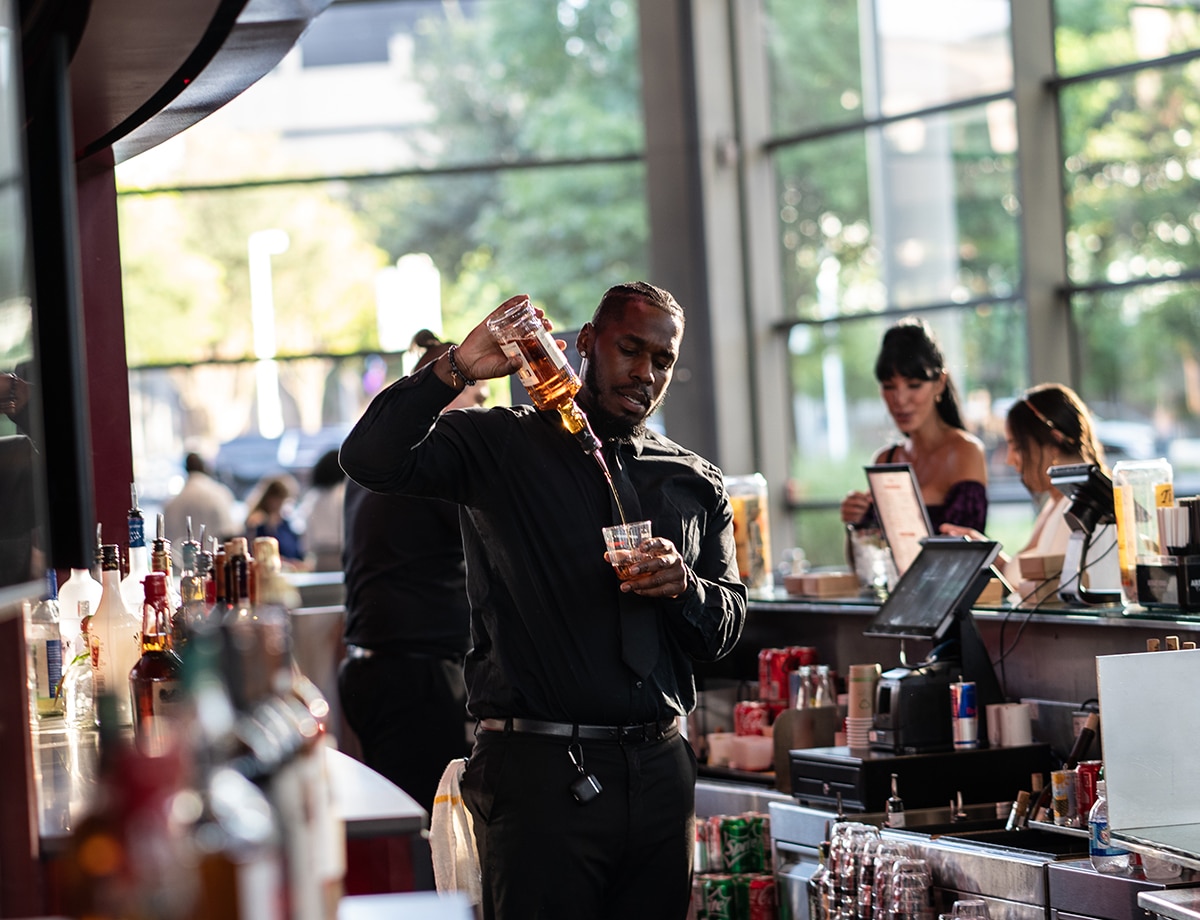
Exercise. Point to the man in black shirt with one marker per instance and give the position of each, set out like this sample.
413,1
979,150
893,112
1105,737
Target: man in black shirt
581,788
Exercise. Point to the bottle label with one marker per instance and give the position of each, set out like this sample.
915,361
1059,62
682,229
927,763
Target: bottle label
1101,840
47,666
137,532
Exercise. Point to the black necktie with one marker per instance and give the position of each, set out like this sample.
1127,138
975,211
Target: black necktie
639,620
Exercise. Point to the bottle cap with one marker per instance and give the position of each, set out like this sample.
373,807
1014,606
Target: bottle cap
156,585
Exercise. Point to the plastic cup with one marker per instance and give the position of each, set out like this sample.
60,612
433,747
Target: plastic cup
623,542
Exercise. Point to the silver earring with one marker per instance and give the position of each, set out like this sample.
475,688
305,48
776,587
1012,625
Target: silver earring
583,364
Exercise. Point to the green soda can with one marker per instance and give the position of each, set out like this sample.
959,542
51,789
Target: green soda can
738,846
720,897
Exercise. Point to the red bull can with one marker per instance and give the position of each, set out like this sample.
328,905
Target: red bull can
964,715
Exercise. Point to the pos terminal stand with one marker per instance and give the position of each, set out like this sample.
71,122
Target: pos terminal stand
932,601
1091,494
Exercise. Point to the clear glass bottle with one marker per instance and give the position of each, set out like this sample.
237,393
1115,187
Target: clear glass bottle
43,643
77,696
115,638
160,561
78,598
544,372
804,687
894,807
156,680
1106,856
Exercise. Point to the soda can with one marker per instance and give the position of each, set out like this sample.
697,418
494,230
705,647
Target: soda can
762,898
697,909
739,852
720,897
1086,774
750,717
700,853
964,715
760,842
1063,798
712,842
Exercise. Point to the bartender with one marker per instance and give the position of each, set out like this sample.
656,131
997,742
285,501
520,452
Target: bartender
1051,426
581,789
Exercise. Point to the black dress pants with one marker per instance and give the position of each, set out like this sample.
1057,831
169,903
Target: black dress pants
625,854
410,715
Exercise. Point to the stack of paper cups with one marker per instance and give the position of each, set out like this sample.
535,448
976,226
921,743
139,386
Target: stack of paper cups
1009,724
860,704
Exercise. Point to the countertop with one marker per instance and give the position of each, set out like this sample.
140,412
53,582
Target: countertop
1178,904
65,772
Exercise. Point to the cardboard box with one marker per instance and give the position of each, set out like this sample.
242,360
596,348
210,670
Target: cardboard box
1038,568
822,584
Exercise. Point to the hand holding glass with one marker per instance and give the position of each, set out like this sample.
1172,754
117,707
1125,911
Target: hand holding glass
623,542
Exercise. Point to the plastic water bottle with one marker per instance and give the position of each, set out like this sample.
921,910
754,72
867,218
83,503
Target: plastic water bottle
1106,856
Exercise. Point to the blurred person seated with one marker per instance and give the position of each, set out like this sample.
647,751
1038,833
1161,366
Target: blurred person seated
318,517
1051,426
950,463
271,503
206,501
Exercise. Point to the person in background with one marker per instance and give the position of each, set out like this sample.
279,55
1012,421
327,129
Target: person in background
270,504
407,629
950,463
206,501
581,788
318,517
1050,426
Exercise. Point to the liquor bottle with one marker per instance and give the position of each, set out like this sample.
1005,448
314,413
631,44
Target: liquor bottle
1106,856
192,609
156,680
139,555
115,640
160,561
545,373
78,597
236,835
43,642
894,807
77,696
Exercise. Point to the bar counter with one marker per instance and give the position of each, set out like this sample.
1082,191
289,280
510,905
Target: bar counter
65,772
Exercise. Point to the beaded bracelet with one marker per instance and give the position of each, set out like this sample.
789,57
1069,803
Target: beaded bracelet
454,370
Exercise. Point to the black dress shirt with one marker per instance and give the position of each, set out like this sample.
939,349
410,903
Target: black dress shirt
405,575
544,603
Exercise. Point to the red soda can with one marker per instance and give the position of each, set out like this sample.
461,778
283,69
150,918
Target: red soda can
750,717
1086,774
762,902
712,841
802,654
697,910
772,674
700,854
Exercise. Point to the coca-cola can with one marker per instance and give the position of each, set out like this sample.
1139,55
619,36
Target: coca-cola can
1086,774
750,717
762,900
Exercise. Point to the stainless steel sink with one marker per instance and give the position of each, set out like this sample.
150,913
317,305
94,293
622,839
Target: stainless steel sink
1028,840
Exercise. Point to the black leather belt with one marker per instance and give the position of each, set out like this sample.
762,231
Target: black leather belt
647,731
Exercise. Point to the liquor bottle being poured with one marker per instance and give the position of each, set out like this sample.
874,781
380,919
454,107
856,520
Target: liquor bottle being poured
545,372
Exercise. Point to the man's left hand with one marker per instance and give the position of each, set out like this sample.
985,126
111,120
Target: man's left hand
662,574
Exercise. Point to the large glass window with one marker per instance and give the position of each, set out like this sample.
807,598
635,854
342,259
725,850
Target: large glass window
410,164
